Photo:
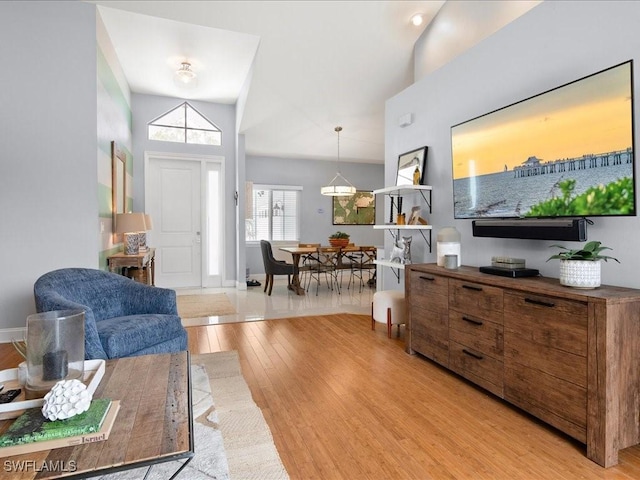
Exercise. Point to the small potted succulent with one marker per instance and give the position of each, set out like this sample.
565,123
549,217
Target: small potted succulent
580,268
339,239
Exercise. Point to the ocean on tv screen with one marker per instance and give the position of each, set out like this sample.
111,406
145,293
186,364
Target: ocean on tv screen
590,185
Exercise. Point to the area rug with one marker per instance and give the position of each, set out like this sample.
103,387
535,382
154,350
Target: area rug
232,438
196,306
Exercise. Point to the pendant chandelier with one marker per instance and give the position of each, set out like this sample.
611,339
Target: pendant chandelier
338,186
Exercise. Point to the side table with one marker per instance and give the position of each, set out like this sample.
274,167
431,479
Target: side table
144,262
154,424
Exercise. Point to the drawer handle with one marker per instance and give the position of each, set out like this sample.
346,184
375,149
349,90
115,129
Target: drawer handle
539,302
471,287
472,354
431,279
471,320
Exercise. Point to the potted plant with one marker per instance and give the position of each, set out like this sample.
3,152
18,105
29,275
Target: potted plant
580,268
339,239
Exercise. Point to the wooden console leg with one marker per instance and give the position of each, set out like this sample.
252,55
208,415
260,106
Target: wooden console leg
389,326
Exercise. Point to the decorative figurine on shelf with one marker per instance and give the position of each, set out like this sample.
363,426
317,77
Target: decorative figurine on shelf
416,176
401,252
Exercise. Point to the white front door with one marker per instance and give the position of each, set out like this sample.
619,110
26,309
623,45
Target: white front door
172,198
184,194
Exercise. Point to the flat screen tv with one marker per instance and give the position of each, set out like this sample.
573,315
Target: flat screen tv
567,152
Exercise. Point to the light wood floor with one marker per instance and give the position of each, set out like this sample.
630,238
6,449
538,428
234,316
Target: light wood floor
345,402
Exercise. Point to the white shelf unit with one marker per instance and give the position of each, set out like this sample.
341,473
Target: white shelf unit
396,193
387,263
404,189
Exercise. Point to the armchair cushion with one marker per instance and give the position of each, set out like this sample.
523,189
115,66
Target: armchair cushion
124,336
122,317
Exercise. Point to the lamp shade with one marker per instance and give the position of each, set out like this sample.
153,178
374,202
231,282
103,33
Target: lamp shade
130,222
338,186
343,190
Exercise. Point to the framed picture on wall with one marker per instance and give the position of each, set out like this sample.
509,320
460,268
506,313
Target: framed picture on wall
357,209
118,181
411,167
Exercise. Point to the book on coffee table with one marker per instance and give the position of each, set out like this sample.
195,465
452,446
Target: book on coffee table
61,433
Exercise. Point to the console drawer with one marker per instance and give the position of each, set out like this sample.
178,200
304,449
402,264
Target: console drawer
427,284
548,321
430,334
481,335
481,369
484,301
558,402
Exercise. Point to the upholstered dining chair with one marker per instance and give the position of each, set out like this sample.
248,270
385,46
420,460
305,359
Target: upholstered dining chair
274,267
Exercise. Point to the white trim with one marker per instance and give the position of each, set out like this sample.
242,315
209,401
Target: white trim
7,334
181,156
264,186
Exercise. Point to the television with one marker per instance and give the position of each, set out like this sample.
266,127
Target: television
567,152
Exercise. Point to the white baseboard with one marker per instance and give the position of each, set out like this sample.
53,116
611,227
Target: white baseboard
241,285
7,334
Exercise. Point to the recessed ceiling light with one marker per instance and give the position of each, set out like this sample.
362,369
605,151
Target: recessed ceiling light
417,19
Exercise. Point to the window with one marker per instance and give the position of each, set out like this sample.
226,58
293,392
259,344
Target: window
274,213
184,124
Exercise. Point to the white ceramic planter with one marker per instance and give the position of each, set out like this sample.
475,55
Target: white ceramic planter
580,273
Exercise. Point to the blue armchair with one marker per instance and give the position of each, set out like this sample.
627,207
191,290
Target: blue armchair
123,318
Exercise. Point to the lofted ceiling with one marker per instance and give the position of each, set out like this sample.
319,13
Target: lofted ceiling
311,65
305,66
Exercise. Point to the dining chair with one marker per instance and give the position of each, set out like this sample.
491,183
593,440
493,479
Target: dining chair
307,260
274,267
327,264
362,262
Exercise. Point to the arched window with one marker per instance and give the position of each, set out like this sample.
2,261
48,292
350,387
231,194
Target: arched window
184,124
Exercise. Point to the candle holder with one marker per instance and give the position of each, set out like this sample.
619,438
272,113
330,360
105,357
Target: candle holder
55,348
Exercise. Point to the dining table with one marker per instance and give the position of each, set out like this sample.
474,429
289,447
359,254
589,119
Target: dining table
298,252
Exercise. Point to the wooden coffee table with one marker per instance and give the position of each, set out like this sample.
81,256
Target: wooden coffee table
154,425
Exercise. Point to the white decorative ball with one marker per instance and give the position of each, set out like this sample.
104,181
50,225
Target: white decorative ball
66,399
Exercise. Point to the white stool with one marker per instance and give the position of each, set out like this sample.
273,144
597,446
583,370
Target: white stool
388,307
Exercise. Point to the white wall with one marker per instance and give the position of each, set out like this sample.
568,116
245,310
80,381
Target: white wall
48,168
146,108
552,44
316,222
458,26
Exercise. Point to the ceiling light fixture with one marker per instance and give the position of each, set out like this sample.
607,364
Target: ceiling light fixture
417,19
338,186
185,74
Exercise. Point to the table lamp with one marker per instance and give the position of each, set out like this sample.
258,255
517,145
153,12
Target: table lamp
130,224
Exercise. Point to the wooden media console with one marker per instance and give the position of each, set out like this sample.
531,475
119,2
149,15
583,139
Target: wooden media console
567,356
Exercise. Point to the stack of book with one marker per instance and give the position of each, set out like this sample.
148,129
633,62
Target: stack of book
508,262
31,432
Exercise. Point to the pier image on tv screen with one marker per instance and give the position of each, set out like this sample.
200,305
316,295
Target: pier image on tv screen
568,152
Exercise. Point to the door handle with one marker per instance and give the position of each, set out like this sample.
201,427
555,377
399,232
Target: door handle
198,238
